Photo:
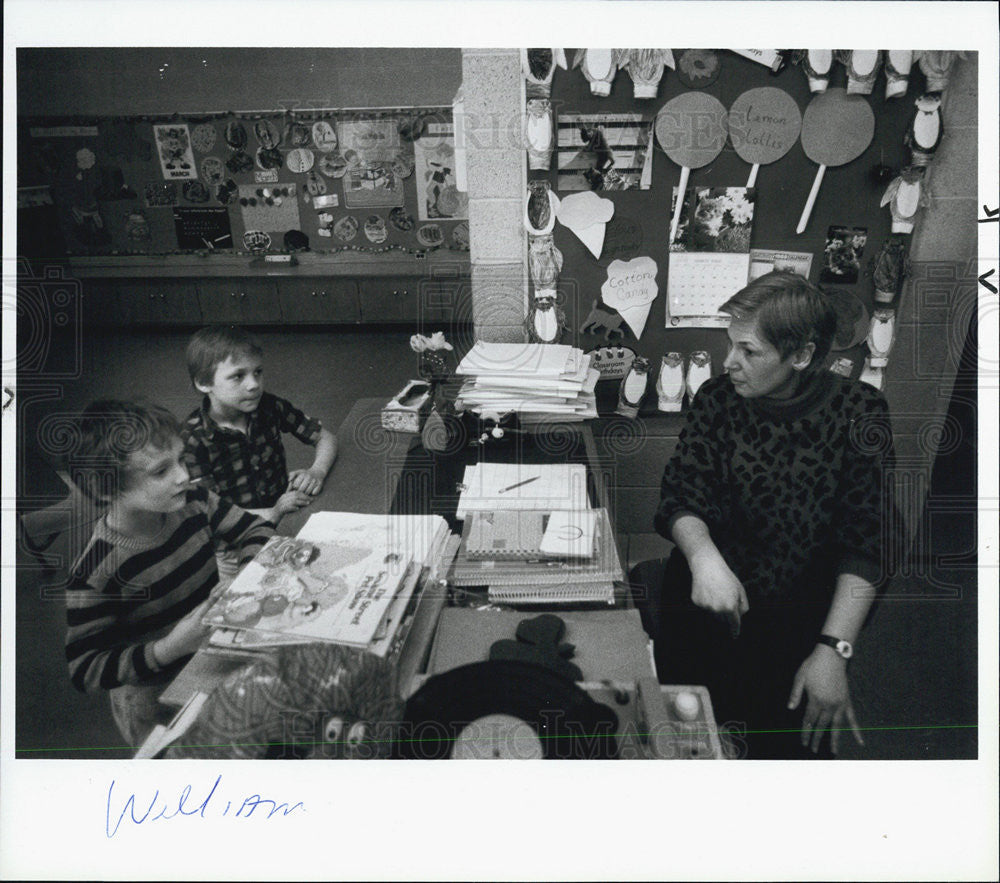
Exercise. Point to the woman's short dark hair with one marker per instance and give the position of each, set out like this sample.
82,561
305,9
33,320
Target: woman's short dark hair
109,431
210,347
790,312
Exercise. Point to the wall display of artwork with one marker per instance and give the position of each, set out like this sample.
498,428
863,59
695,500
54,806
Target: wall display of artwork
263,171
641,220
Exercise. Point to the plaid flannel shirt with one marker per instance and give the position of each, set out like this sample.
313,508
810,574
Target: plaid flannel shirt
246,469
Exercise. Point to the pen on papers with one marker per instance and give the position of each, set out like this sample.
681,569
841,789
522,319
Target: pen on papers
519,484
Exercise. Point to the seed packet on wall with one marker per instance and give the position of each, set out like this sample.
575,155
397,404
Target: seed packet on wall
842,256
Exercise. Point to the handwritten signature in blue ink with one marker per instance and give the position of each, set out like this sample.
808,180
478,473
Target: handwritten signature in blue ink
167,808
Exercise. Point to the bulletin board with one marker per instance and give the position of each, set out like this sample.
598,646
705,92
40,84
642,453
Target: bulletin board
849,198
373,181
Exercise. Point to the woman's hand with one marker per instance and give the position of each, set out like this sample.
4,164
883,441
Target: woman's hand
715,587
823,677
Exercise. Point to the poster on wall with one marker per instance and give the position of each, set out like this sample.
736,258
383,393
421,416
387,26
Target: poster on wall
602,151
710,259
199,228
434,170
173,146
372,185
374,141
274,209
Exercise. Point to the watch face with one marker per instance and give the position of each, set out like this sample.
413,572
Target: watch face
845,649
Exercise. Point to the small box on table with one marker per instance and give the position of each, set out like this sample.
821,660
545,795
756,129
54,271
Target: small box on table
408,409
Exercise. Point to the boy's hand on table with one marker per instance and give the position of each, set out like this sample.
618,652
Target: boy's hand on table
309,481
290,501
185,637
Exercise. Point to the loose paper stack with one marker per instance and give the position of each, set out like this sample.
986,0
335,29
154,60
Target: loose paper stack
346,579
541,382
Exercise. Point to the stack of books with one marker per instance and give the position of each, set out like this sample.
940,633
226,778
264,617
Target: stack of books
541,382
347,579
534,557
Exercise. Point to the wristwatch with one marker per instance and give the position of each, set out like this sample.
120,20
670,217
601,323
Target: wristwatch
844,648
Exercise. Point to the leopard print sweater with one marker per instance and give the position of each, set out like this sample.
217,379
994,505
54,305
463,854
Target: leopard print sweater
793,492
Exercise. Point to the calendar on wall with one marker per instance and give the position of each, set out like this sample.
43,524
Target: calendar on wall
710,257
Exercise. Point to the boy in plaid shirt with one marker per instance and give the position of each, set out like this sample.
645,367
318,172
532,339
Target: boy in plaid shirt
233,440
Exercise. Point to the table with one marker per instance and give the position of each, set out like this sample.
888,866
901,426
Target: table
378,471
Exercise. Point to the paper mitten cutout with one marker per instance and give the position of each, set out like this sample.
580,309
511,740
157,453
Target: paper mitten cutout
817,64
540,208
544,263
926,129
538,135
632,390
936,66
698,371
881,334
645,67
599,68
603,318
538,66
670,383
889,270
871,375
545,321
897,71
905,196
862,69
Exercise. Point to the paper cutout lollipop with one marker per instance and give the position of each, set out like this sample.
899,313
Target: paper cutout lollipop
586,214
763,126
836,129
691,129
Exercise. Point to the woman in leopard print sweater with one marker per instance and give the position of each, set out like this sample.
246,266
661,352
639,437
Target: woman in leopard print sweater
775,498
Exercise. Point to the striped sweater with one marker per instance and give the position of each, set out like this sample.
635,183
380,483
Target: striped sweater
125,593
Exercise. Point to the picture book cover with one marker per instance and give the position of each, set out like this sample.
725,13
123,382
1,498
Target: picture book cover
337,590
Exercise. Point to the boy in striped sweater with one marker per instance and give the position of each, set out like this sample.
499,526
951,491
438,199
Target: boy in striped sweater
139,590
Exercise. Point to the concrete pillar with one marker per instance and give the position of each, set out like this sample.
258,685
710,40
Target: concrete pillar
939,298
493,90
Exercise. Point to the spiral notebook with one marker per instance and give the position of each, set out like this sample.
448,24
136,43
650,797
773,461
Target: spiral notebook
503,536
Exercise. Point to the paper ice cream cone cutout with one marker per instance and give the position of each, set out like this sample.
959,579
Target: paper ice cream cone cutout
635,318
587,215
631,289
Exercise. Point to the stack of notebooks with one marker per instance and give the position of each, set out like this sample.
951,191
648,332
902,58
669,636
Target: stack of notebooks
542,382
347,579
536,557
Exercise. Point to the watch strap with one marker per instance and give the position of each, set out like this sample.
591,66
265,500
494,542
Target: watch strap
842,647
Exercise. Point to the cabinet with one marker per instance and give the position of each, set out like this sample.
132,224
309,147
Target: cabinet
432,299
100,304
239,301
425,297
162,302
319,301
